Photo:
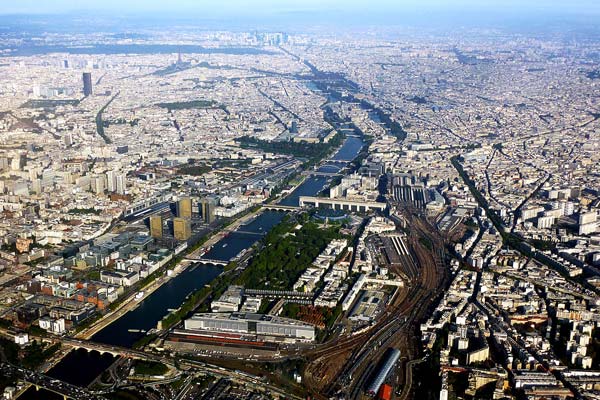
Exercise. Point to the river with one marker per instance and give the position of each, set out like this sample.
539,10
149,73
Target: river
132,326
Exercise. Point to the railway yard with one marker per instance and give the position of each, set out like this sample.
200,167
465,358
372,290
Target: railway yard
343,366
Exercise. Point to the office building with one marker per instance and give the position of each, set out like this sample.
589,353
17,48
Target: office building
208,211
156,226
182,228
184,208
87,84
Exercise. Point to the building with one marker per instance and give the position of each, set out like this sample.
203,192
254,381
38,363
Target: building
588,223
111,182
208,211
184,208
266,327
22,338
182,228
87,84
545,222
121,184
156,226
588,217
23,244
229,301
120,278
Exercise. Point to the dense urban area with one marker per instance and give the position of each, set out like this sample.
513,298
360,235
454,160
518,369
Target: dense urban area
271,215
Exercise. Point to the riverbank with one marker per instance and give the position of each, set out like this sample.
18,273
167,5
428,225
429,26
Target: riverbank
131,302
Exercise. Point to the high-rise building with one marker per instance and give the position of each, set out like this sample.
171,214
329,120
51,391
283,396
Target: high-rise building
156,226
121,184
208,211
182,228
111,182
87,84
99,184
184,208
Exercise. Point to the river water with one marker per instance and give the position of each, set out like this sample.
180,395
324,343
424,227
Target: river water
132,326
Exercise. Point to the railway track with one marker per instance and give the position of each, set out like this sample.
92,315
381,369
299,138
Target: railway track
343,364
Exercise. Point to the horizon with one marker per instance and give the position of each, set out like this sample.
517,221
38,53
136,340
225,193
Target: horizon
354,12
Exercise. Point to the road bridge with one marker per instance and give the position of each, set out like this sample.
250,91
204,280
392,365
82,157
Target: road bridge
279,207
206,261
321,173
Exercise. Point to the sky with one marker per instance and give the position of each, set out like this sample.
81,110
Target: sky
298,14
219,7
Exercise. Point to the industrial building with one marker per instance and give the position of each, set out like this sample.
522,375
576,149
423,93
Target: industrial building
266,327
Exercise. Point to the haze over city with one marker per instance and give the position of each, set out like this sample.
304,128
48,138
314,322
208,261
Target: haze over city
300,199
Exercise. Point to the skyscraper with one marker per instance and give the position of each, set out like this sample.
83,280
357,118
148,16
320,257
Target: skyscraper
87,84
184,208
182,228
156,226
208,211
